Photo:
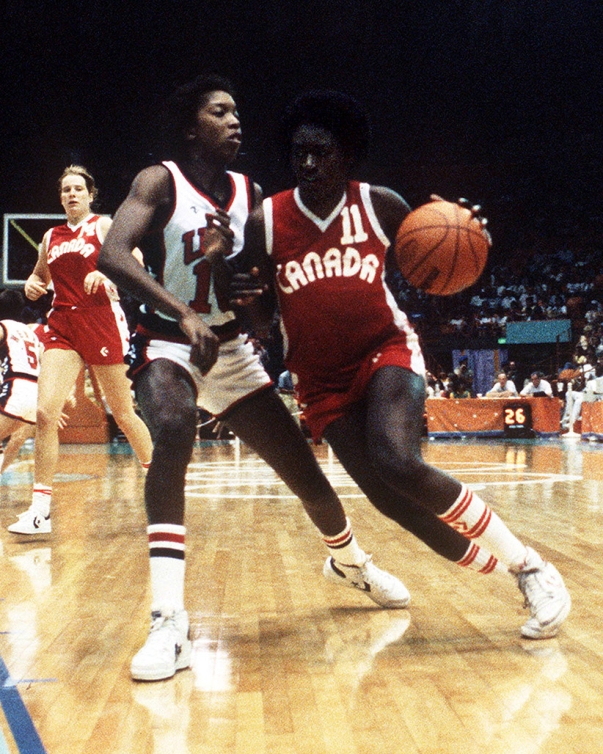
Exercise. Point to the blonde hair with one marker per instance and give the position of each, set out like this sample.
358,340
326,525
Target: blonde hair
80,170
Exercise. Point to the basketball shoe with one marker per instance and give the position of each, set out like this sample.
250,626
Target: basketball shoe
545,595
167,649
31,521
383,588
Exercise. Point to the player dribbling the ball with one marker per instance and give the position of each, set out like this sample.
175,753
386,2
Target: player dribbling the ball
188,351
356,361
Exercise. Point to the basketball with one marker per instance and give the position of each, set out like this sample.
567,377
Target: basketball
441,248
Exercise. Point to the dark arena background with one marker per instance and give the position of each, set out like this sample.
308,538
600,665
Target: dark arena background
500,101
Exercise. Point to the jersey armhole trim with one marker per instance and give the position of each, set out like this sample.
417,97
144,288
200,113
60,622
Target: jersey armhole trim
365,194
268,226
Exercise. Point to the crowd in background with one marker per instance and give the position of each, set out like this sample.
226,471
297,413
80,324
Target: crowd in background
566,283
552,279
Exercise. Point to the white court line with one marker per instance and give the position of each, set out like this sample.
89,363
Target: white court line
209,476
554,479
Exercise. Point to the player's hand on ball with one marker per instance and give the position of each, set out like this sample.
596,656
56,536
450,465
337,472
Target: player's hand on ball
476,210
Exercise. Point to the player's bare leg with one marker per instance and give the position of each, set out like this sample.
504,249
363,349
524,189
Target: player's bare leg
347,437
18,435
394,413
118,392
58,374
264,423
167,400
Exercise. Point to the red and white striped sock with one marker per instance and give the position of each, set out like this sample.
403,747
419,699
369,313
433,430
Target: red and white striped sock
344,548
41,498
166,551
472,518
480,560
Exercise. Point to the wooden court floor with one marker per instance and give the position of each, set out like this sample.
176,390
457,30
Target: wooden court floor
284,662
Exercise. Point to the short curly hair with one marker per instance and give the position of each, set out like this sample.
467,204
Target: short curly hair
181,108
338,113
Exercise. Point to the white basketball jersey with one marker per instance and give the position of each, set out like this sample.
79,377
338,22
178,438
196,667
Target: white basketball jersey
184,271
20,351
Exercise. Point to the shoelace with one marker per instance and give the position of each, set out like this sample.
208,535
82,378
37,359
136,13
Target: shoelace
535,594
158,620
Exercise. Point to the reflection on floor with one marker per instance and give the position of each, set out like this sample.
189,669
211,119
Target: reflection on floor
283,661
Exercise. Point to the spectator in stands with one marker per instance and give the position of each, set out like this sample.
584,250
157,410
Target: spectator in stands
537,387
584,391
539,311
503,388
458,387
510,369
464,372
442,385
508,299
436,386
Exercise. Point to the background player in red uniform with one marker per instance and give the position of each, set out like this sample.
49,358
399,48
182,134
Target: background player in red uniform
86,325
357,364
184,215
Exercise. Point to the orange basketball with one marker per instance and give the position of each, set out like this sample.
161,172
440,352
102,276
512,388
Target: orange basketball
441,248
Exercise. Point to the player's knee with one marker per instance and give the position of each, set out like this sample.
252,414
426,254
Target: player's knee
173,433
46,418
125,417
401,470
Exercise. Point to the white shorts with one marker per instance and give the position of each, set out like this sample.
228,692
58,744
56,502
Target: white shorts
18,399
237,374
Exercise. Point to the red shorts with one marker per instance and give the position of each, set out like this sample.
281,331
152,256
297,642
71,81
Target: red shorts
99,334
320,409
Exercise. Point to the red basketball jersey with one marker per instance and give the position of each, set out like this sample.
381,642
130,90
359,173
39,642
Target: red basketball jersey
335,307
72,253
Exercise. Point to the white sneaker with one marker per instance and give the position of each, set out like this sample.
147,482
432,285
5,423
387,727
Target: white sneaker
545,595
167,649
383,588
31,522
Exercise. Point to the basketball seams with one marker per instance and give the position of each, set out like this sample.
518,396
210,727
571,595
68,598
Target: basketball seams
459,247
474,254
448,275
428,252
454,266
476,232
